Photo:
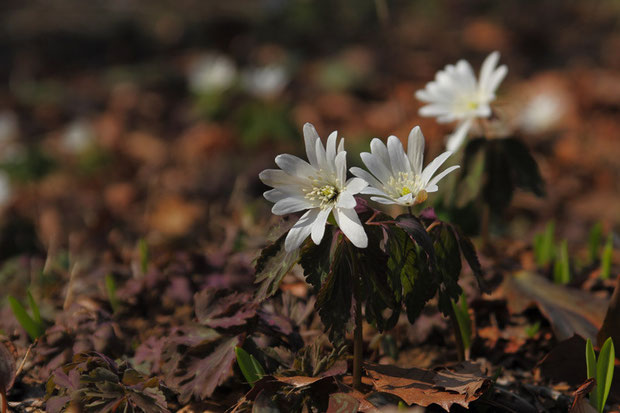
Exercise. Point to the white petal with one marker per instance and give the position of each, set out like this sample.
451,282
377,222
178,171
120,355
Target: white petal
318,227
330,149
432,185
378,149
415,149
355,185
295,166
350,224
360,173
497,78
382,200
289,205
277,177
369,190
300,230
346,200
398,158
376,166
456,139
436,110
341,166
487,69
310,138
432,167
341,145
274,195
321,157
405,199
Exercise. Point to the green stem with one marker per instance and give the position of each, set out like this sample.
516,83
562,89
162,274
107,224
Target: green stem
460,348
358,338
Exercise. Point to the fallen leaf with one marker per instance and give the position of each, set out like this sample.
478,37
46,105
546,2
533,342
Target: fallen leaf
216,310
580,404
570,311
7,372
611,324
566,362
460,385
342,403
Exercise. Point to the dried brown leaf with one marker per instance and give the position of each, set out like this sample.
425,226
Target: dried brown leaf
460,384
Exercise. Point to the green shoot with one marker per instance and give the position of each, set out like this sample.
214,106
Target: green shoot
594,241
33,326
461,313
143,249
561,269
532,329
543,245
110,287
36,314
602,370
608,252
250,367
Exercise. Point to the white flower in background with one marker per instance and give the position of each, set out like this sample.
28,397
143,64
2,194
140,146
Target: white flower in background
265,81
398,176
79,136
6,191
320,186
542,112
212,73
456,95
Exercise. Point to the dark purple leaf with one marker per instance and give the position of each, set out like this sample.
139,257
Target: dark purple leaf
215,310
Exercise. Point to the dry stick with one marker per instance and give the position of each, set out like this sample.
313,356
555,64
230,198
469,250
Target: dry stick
21,365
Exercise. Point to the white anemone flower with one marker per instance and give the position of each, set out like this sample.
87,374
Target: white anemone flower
456,95
266,81
319,186
212,73
397,177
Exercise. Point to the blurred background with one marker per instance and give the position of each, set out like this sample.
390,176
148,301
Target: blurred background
122,120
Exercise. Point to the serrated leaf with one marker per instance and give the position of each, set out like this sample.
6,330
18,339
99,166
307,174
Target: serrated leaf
315,260
335,296
416,230
408,265
217,309
469,253
448,257
272,265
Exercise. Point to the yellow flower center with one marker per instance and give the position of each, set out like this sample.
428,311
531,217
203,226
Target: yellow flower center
325,194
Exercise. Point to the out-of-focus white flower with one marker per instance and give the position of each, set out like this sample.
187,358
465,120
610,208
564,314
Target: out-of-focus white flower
265,81
212,73
6,191
79,136
397,177
541,112
456,95
319,186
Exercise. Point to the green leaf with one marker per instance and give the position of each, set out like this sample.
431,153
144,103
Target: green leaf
469,253
250,367
594,241
608,252
272,265
591,370
414,227
36,314
34,329
604,372
543,245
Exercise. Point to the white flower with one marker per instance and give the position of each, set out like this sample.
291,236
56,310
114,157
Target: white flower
319,186
212,73
542,112
265,81
79,136
399,177
456,95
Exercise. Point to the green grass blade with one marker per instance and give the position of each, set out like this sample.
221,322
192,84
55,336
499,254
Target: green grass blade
461,313
604,372
606,258
594,241
251,369
143,249
591,370
33,329
36,314
110,287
